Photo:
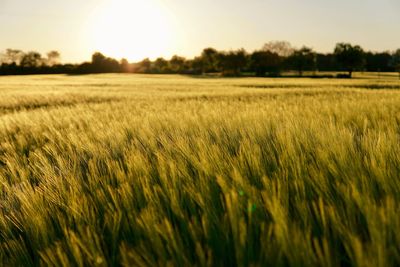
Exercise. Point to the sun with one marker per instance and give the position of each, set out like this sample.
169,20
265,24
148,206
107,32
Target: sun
132,29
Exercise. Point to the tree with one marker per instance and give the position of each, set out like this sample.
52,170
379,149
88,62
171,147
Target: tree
31,60
282,48
177,64
143,66
395,62
98,59
232,63
160,65
303,59
2,58
13,56
196,66
53,58
350,57
125,66
265,61
378,61
326,62
101,64
209,57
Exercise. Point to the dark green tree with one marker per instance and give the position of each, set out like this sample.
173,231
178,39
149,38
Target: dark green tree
350,57
232,63
262,62
378,61
103,64
31,60
143,66
303,59
209,57
395,62
177,64
160,65
197,65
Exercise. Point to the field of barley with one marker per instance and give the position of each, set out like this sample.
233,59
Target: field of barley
136,170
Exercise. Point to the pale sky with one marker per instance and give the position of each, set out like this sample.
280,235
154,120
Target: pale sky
137,29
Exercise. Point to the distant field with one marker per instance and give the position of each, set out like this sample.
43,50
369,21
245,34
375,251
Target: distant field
136,170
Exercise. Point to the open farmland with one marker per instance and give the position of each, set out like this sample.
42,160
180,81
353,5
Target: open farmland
135,170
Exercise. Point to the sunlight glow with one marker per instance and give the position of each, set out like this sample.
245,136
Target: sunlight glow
132,29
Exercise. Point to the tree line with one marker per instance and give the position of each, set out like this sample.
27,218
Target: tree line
273,59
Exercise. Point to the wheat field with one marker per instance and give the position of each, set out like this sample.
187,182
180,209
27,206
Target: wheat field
136,170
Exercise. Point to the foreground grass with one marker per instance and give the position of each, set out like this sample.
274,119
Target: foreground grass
164,170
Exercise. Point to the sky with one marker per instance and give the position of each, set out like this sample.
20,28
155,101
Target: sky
136,29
